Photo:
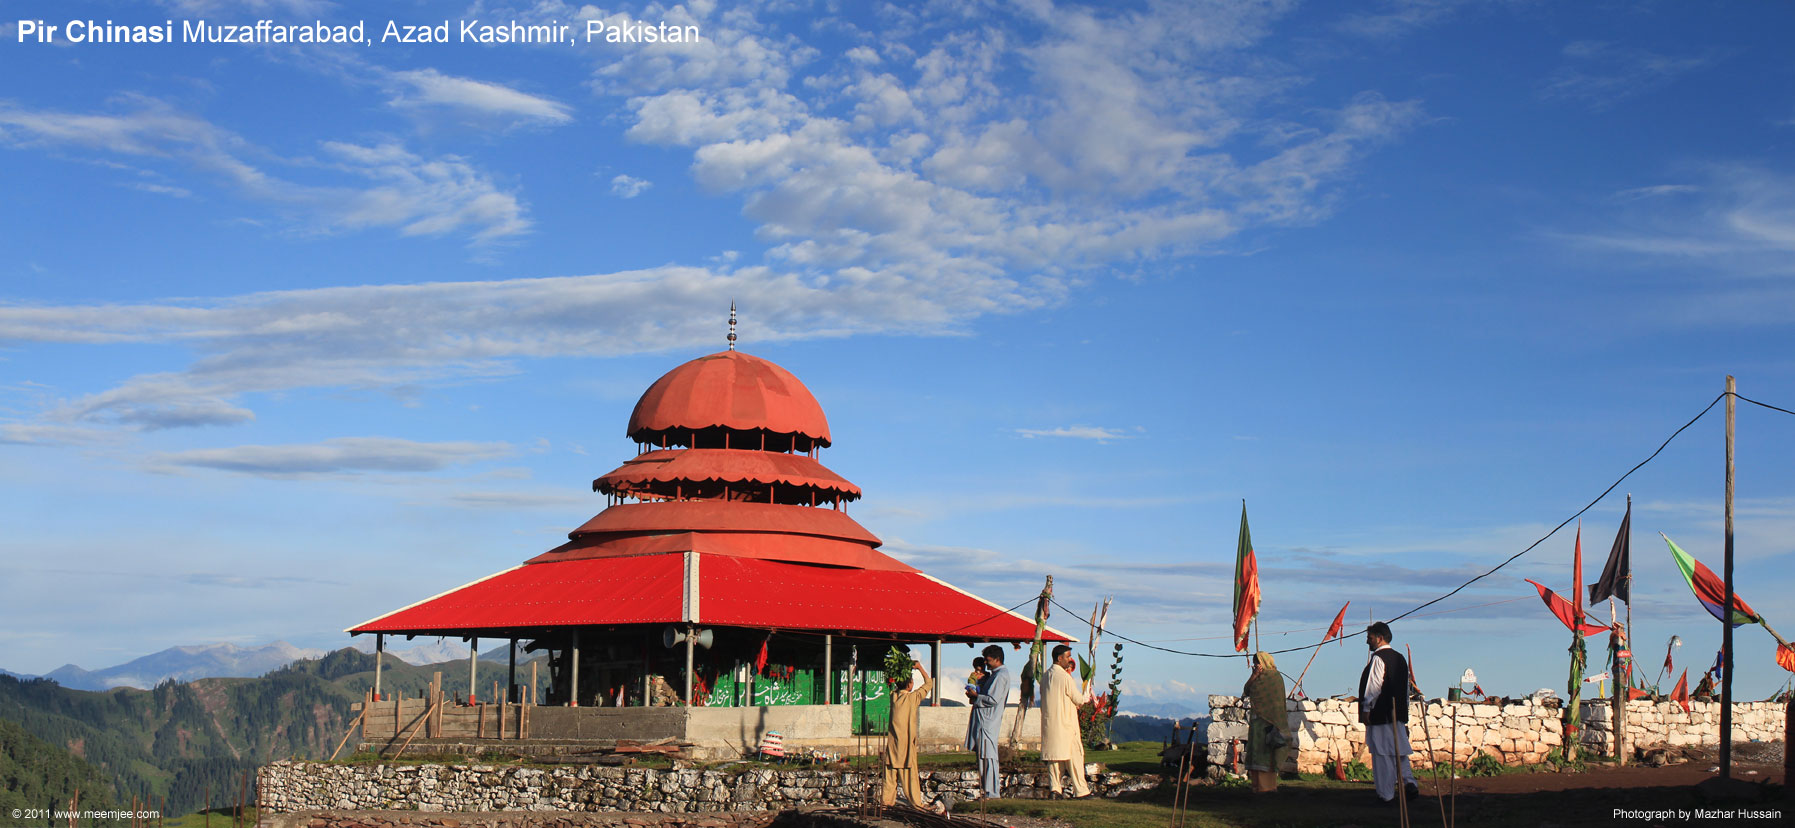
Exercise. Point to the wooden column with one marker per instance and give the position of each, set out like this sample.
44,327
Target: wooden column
1726,626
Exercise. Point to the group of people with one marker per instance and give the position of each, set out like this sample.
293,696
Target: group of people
987,691
1383,708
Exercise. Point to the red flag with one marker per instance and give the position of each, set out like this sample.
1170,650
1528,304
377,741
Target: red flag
1339,622
1246,584
1785,657
1681,694
760,661
1667,651
1565,612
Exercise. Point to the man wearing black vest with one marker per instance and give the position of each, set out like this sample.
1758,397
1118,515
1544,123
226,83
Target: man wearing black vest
1384,708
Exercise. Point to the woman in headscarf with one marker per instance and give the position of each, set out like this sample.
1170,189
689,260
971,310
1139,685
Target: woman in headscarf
1268,734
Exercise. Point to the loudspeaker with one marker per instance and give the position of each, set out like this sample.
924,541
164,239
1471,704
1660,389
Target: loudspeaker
674,636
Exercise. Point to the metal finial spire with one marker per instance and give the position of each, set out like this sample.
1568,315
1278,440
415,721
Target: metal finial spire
732,324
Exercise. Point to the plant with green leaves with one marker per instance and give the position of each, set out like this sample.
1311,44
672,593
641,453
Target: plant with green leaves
898,665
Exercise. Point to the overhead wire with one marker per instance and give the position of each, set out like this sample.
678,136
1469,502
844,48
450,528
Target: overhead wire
1456,590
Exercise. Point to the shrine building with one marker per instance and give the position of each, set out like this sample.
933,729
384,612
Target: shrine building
723,592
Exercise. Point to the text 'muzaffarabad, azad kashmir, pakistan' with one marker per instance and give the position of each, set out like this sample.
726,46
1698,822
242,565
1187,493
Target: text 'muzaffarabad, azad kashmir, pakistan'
393,31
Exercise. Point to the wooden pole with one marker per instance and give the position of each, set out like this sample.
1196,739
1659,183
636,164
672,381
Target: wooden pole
1726,626
352,726
1617,719
414,731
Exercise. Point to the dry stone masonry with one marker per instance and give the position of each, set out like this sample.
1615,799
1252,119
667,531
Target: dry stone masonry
1524,732
285,787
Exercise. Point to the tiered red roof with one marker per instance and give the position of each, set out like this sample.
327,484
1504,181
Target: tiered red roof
729,527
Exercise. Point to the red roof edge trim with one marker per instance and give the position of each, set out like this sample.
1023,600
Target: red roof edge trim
385,615
1047,630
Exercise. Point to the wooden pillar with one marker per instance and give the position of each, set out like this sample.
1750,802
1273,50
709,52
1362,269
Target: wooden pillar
573,696
379,649
1726,627
829,669
473,664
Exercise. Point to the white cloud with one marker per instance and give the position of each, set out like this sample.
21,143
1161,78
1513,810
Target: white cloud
1077,432
1604,74
382,185
341,455
45,434
428,87
1117,143
381,336
627,186
1732,237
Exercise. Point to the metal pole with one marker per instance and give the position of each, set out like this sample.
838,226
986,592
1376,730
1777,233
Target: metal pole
691,635
1726,626
573,694
511,670
379,648
829,668
473,664
935,672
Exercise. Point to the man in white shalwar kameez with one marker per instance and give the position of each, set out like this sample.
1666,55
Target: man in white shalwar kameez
1384,708
1062,743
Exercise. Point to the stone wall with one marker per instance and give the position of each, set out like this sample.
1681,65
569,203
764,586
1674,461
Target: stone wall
1521,733
714,733
285,787
1658,724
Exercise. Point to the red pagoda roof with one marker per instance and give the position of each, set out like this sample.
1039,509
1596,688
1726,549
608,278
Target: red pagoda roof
730,591
725,466
731,390
724,534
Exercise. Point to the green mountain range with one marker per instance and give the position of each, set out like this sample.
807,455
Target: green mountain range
183,742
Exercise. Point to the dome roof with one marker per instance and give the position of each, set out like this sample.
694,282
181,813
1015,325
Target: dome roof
730,390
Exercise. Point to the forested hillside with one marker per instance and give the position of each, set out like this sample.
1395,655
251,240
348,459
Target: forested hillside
180,740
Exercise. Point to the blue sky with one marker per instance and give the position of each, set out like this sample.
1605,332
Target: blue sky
291,335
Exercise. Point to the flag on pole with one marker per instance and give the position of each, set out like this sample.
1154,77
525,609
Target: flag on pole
1246,584
1577,574
1339,623
1709,589
1681,694
1565,612
1614,573
1785,657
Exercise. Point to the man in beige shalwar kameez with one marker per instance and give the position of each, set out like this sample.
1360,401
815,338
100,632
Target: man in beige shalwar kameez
1062,744
901,748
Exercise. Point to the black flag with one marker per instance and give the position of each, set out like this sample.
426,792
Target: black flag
1614,574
